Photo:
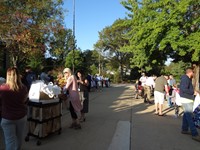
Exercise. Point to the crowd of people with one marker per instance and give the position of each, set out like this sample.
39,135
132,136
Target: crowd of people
14,98
182,95
76,88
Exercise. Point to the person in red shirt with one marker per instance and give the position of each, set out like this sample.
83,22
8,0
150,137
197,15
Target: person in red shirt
13,99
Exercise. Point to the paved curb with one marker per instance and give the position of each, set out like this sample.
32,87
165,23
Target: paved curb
121,138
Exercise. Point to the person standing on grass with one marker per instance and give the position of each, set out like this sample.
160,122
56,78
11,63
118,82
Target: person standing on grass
187,99
159,94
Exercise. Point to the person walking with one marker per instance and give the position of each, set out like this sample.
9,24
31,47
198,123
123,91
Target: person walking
148,87
187,99
159,93
74,100
13,97
143,79
83,84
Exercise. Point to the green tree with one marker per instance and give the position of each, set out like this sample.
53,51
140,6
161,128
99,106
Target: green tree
60,45
25,26
176,69
94,69
90,61
161,29
111,40
77,58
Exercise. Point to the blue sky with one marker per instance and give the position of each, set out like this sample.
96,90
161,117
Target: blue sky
91,17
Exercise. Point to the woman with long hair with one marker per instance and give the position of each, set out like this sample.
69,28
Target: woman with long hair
74,100
84,93
13,97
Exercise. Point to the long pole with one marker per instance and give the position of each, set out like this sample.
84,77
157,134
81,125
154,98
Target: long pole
74,41
99,63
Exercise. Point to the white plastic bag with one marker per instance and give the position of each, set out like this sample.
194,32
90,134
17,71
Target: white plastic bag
196,102
34,92
47,89
56,90
41,91
178,100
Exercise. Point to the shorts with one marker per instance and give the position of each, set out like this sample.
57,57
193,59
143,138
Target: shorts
159,97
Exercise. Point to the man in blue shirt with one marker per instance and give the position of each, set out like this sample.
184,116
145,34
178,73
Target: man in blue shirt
187,98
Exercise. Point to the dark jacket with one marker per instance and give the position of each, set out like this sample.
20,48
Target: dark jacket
186,88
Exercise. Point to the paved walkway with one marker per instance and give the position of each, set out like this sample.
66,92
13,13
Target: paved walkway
117,121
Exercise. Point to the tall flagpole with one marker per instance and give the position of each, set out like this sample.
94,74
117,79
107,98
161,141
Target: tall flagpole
74,41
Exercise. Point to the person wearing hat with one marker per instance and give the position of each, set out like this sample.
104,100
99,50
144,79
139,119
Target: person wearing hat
74,100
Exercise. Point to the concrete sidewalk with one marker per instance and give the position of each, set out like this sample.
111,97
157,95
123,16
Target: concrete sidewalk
117,121
153,132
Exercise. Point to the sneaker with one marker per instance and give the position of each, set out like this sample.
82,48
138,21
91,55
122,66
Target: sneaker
186,132
196,138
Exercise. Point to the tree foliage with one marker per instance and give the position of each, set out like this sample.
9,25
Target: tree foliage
75,56
60,45
26,25
176,69
161,29
111,40
87,60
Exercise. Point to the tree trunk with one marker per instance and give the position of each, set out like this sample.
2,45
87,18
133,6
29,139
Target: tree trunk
121,71
196,76
5,60
14,60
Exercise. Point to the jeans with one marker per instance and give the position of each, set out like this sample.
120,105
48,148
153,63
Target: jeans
169,100
187,119
13,132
